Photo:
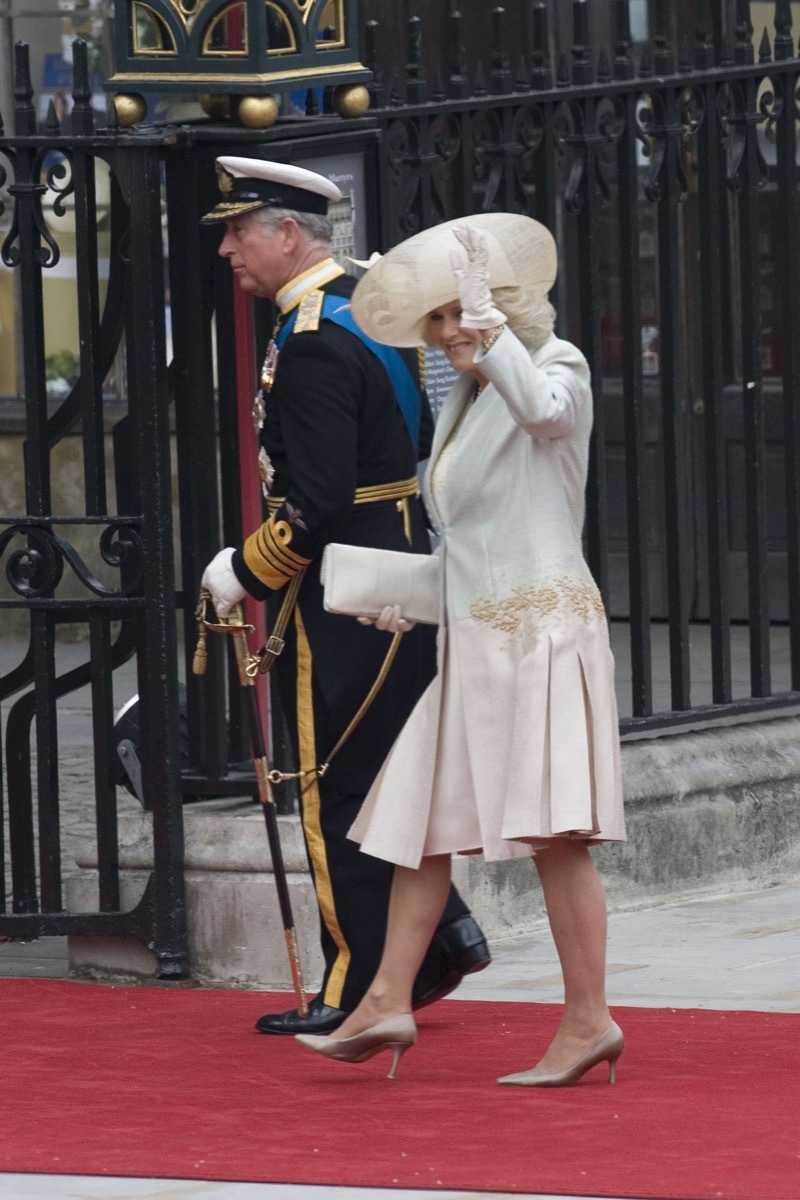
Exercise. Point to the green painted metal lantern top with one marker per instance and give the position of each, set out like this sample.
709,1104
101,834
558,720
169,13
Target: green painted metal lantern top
234,46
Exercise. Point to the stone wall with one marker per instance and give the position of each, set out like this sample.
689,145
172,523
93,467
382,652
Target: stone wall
712,810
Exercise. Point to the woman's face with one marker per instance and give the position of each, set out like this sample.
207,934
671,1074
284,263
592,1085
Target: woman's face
446,333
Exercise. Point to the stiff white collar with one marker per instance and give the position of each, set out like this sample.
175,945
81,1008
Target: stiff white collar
317,276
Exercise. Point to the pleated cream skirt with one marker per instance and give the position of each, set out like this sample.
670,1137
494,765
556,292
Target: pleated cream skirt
555,786
524,748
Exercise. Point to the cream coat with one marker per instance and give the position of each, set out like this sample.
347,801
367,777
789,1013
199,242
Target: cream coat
523,618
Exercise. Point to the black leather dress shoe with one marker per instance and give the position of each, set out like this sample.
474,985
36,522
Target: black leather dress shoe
458,949
321,1019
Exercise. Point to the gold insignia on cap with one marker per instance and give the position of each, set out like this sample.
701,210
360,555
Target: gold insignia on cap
224,180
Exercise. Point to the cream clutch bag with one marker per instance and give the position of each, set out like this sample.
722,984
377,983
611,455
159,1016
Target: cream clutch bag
360,581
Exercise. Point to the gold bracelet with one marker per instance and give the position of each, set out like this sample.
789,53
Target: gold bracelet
490,341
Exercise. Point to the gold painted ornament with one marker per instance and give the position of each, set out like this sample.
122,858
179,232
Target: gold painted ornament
351,100
131,108
214,104
258,112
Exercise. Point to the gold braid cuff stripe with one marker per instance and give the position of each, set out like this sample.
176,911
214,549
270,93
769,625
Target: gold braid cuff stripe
268,556
366,495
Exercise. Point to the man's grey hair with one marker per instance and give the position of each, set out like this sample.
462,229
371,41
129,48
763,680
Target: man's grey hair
317,228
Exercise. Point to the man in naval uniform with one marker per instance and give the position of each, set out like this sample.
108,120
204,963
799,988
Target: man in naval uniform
340,422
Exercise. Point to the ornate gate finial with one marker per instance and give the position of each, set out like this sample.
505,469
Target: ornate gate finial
239,48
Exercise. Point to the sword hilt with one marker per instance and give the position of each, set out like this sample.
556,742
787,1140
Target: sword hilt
200,659
233,623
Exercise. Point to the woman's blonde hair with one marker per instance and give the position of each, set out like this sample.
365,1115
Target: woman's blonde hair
530,318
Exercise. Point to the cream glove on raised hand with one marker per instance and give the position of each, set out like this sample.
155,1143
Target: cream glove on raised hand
219,578
471,269
391,620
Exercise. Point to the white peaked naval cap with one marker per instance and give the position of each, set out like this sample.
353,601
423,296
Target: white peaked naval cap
247,184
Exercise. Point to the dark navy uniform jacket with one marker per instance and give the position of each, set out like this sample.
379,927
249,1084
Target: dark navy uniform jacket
332,427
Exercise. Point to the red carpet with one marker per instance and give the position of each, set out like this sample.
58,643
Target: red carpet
161,1082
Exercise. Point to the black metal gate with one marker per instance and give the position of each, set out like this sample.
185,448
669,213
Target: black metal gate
119,586
669,173
664,171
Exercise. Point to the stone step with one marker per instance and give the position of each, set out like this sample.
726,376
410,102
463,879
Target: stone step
705,810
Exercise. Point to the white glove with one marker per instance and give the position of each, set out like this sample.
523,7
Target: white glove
471,269
220,580
390,620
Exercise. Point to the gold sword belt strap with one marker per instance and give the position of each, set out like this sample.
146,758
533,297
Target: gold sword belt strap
401,492
321,769
260,663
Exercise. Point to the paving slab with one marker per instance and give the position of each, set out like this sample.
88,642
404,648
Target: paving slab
84,1187
734,950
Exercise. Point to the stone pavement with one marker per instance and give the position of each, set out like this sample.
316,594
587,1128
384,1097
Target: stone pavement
76,795
76,776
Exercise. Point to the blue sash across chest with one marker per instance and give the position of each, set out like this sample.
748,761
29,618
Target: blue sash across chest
337,310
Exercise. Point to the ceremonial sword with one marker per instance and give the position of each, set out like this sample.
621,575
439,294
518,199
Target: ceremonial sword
234,625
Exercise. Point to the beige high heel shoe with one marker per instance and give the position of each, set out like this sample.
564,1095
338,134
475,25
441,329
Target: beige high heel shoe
395,1034
607,1048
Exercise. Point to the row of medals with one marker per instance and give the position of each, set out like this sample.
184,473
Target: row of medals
267,379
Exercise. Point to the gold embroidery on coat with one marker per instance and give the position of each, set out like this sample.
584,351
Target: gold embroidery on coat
564,597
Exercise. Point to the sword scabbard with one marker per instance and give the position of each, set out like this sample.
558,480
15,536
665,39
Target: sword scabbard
297,977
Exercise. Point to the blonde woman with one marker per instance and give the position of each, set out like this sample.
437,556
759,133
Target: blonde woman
513,749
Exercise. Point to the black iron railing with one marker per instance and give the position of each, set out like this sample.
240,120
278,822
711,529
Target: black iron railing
670,179
118,585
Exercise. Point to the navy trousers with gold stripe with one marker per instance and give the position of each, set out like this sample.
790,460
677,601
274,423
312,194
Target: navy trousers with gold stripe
352,888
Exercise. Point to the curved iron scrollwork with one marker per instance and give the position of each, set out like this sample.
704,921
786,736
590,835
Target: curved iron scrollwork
692,114
741,114
566,144
611,122
403,159
3,178
488,157
648,114
27,193
60,179
446,142
770,107
528,133
668,121
36,569
586,133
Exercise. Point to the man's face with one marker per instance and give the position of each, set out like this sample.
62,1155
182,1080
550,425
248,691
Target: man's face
257,255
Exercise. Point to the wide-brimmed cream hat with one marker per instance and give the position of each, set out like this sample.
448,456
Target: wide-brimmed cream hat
392,300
